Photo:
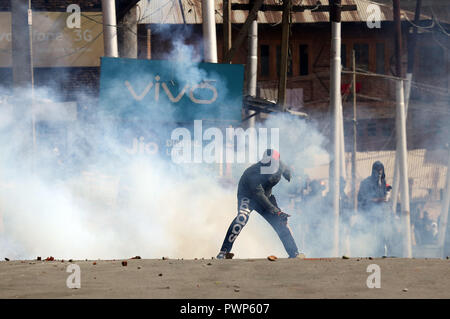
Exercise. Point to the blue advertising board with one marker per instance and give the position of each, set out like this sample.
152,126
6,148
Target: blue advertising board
148,99
170,91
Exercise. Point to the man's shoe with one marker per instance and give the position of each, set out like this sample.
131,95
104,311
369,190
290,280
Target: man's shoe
225,255
221,255
300,256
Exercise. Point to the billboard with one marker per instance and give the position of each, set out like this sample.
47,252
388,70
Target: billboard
171,91
54,43
149,99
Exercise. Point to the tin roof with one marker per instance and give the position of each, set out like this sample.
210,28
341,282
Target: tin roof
190,12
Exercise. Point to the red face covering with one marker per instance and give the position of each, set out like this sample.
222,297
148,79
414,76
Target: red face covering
275,155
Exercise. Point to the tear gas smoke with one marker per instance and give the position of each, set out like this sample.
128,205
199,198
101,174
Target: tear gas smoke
98,206
79,194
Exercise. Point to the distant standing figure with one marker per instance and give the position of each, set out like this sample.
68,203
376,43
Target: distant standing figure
374,212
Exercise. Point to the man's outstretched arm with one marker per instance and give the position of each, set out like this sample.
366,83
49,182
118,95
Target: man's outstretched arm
255,185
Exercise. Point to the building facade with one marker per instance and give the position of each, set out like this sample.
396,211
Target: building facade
164,25
309,63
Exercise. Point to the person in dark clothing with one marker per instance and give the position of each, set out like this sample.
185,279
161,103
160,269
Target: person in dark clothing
373,189
255,193
372,198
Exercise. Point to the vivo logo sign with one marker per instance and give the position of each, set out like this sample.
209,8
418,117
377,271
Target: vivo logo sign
170,91
188,89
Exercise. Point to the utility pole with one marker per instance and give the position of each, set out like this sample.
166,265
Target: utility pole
22,62
209,31
411,54
33,116
210,46
335,107
284,53
253,12
252,65
396,180
343,169
226,28
127,32
110,28
444,213
401,174
354,195
411,57
149,42
403,163
413,38
398,39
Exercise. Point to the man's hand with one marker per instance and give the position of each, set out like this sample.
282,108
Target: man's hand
283,215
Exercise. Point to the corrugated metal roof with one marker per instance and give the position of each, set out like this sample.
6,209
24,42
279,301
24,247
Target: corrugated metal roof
176,11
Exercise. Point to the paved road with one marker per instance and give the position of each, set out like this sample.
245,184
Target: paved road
237,278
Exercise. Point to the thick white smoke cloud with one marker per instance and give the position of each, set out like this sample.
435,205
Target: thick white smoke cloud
98,202
120,208
166,213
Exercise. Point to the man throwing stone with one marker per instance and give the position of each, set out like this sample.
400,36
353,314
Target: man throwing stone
255,193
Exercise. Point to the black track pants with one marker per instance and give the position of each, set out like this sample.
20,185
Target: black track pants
279,224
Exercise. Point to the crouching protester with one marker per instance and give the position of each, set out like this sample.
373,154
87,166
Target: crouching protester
255,193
